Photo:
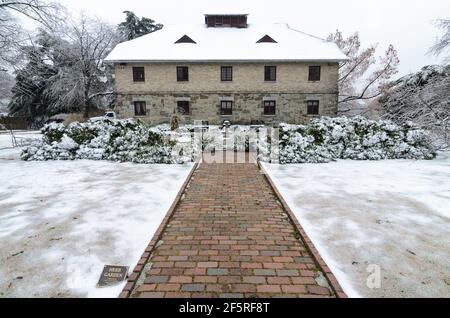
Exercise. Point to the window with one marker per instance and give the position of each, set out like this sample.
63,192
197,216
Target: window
138,74
219,21
226,107
226,73
312,107
314,73
269,107
226,20
270,73
140,109
183,107
182,73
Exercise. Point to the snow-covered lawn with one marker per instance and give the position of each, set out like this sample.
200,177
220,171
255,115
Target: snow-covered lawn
7,150
395,214
21,136
62,221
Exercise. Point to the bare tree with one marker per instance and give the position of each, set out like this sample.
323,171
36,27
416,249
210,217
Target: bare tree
442,45
11,33
37,10
363,76
84,78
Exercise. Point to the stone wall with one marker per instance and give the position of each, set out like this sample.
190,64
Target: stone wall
290,107
248,90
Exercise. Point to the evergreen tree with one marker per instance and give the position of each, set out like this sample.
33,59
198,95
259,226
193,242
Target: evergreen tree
29,98
133,27
6,84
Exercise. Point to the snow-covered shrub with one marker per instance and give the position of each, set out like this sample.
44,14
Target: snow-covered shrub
322,140
326,139
115,140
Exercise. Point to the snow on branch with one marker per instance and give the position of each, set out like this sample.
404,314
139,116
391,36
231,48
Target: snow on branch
442,45
422,98
364,67
40,11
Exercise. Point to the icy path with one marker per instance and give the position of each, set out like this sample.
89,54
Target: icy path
60,222
395,214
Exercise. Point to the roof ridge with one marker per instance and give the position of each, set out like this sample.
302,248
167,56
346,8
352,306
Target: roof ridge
313,36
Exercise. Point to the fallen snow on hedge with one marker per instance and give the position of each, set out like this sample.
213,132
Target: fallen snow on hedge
357,138
322,140
114,140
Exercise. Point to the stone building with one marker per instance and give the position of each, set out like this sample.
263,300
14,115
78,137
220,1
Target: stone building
226,69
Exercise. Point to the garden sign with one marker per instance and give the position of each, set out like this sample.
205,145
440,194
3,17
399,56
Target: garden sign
112,275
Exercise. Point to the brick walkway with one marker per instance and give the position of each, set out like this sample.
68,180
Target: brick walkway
229,237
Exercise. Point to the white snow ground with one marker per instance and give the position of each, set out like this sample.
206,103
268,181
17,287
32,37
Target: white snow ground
21,136
395,214
62,221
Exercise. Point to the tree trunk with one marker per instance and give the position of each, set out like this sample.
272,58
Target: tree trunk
87,87
86,111
86,104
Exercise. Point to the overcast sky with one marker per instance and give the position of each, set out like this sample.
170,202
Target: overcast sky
407,24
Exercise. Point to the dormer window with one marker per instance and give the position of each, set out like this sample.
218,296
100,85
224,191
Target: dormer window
185,39
266,39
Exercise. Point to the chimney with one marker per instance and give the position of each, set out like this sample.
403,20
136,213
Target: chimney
226,20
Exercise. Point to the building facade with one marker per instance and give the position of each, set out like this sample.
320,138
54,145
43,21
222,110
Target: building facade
238,72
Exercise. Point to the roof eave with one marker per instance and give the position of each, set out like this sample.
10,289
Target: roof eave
232,61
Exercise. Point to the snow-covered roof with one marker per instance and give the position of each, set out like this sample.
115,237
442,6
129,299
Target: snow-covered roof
226,44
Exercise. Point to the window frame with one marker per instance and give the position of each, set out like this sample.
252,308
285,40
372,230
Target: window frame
273,107
224,74
314,76
136,77
140,103
268,73
183,107
226,21
227,111
312,103
216,21
184,74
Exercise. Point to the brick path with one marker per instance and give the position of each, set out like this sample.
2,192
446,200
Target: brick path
229,237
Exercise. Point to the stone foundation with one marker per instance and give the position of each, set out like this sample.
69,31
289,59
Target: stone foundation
247,107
